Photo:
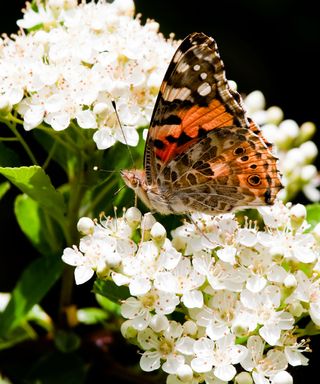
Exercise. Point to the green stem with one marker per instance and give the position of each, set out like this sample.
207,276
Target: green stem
8,139
12,125
50,154
63,140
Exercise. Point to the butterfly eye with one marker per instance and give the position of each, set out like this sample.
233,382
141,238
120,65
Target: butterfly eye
135,182
239,151
254,180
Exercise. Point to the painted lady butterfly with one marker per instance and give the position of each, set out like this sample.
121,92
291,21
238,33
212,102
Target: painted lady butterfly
202,152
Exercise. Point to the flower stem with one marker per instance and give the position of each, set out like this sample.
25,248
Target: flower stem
12,125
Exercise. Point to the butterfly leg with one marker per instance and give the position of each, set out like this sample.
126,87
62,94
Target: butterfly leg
198,228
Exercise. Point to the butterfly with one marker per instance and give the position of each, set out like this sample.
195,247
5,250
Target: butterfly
203,153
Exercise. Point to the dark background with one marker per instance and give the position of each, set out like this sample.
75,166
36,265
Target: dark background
270,45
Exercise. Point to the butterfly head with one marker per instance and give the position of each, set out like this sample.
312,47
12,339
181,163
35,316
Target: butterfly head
136,180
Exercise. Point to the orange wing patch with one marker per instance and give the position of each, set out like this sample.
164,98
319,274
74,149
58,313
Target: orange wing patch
171,140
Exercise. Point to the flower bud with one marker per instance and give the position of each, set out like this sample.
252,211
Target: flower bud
85,225
127,330
274,115
309,151
147,222
290,128
185,373
260,117
255,101
158,233
290,281
159,323
133,217
5,106
282,377
308,172
307,130
270,132
243,378
298,213
100,109
190,328
102,269
232,84
125,7
296,309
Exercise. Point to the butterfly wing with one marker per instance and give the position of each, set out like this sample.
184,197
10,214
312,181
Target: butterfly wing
194,98
228,168
195,107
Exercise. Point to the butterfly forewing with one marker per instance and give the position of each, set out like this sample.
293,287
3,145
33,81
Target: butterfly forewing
202,152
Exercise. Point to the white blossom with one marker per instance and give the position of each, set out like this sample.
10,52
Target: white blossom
256,296
76,57
221,354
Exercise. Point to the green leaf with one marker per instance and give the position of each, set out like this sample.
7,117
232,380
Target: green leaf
311,329
92,315
110,290
34,182
37,226
313,215
108,305
34,283
4,187
66,341
17,336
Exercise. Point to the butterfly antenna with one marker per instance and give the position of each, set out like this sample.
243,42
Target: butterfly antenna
119,190
113,102
96,168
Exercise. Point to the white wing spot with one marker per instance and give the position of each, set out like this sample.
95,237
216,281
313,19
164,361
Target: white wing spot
182,67
196,67
177,56
204,89
203,76
171,93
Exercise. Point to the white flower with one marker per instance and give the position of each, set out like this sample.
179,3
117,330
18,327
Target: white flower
226,276
261,292
293,349
101,250
219,355
223,312
43,15
161,346
139,309
183,279
84,268
78,57
265,305
263,366
307,292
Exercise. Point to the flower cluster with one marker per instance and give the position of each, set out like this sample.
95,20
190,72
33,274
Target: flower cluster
75,60
241,289
295,150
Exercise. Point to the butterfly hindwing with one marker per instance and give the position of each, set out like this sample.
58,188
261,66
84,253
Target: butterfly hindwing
227,168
